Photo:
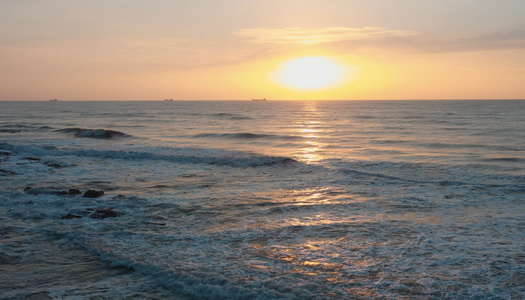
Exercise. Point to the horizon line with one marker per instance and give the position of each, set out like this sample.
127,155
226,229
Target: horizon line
269,100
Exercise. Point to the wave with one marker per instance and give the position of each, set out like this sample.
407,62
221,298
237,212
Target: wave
229,116
176,155
505,159
94,133
4,130
184,282
445,145
246,136
22,127
387,172
451,145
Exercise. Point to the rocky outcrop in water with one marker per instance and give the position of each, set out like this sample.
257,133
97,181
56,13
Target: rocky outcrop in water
69,192
100,213
73,192
46,191
93,194
71,216
105,212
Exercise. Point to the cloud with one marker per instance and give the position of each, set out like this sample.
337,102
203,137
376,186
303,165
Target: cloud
493,41
293,35
379,37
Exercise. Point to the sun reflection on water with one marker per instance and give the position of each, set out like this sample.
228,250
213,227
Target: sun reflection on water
310,128
310,227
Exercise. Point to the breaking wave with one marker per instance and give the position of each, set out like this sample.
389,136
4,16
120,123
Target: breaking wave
22,127
176,155
94,133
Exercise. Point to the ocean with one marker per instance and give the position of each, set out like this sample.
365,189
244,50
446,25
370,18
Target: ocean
262,200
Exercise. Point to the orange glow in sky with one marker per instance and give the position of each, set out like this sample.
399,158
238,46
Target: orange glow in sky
238,50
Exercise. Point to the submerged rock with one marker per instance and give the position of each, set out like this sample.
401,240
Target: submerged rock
73,192
93,194
70,216
50,191
105,212
47,191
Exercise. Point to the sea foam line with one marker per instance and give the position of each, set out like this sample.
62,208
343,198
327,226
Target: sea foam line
194,156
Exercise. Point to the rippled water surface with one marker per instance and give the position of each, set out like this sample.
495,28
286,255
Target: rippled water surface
263,200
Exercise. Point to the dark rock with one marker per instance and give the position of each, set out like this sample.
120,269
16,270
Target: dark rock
70,216
73,192
52,164
105,212
32,158
93,194
46,191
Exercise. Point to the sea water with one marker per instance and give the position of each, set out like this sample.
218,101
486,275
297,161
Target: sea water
263,200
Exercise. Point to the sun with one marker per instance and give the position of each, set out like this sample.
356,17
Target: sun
312,73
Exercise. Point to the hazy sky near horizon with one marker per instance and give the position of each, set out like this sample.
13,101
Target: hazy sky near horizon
240,49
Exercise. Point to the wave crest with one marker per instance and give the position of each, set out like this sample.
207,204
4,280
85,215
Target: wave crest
246,136
94,133
176,155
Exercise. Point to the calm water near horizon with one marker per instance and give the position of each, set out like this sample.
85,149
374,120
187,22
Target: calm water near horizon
263,200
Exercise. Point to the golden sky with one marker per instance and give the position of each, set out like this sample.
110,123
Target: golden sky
276,49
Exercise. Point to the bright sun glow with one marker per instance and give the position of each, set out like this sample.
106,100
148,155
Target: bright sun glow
312,73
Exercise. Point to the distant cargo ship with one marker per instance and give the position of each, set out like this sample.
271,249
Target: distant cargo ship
263,99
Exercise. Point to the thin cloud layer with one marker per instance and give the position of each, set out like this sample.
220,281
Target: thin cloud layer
382,37
492,41
293,35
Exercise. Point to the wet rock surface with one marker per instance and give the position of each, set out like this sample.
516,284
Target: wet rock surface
62,192
93,194
71,216
105,212
73,192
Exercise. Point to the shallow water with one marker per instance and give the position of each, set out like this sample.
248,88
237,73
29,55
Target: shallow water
264,200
